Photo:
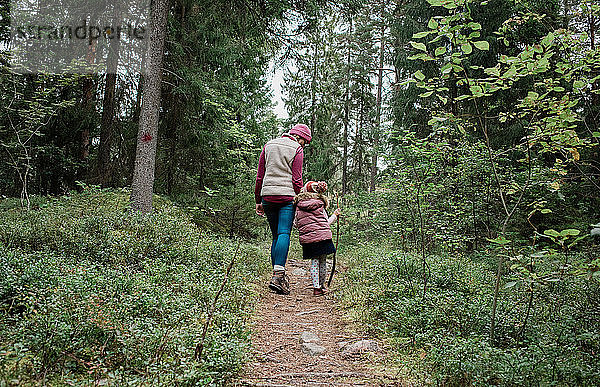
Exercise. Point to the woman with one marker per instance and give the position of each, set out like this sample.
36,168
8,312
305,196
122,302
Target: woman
278,180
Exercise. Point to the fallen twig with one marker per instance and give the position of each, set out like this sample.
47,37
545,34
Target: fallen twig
278,348
307,312
200,345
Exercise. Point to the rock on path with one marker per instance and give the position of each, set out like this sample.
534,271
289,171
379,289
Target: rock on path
309,337
360,347
313,349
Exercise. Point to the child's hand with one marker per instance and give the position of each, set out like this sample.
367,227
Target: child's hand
337,212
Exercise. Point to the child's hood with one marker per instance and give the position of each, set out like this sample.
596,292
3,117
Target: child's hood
310,201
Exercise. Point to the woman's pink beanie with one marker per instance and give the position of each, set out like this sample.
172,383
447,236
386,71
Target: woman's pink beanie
302,131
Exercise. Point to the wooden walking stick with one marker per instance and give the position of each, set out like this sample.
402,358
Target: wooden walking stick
337,239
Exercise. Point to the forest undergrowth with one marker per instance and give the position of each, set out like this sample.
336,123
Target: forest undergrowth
90,293
441,333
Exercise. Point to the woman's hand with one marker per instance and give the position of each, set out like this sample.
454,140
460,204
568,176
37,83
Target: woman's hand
337,212
259,210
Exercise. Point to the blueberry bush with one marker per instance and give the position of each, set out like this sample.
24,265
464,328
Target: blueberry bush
442,337
90,293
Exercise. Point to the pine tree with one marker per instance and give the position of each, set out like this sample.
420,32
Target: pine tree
315,94
145,158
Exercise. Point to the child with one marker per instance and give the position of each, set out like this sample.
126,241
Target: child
315,232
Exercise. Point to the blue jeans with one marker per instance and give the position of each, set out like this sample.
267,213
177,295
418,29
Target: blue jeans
280,217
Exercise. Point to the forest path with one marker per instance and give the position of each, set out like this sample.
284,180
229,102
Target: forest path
277,355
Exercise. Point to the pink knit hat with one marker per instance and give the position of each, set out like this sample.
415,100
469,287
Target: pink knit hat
302,131
315,186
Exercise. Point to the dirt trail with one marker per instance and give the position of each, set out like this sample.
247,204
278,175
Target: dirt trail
278,359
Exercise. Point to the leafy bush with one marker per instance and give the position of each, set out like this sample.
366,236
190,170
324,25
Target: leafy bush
89,292
446,332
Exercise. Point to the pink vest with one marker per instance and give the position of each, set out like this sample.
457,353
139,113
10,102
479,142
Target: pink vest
311,220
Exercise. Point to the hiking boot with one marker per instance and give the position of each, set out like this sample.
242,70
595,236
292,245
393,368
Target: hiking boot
318,292
280,283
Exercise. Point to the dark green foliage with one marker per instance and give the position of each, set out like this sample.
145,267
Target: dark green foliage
558,343
314,94
438,186
215,109
88,292
38,120
216,106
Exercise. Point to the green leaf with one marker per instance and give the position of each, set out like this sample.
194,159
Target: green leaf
419,75
433,24
482,45
577,240
457,68
546,211
492,71
578,85
540,254
474,26
466,48
570,231
418,46
510,284
420,35
548,39
426,94
440,51
551,233
476,90
500,240
421,56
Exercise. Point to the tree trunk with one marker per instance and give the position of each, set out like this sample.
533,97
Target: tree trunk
140,90
378,102
108,108
592,27
346,116
566,19
88,89
313,91
88,106
173,124
175,112
359,148
145,156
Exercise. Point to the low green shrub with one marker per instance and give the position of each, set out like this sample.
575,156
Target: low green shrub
91,293
446,330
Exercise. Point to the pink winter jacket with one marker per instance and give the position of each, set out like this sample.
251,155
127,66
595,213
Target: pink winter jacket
311,218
